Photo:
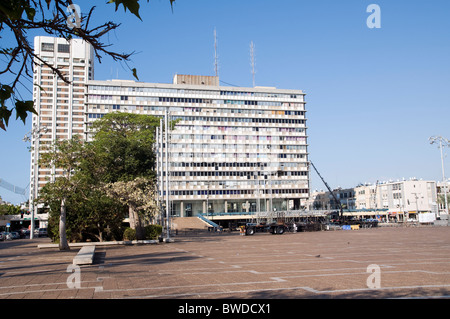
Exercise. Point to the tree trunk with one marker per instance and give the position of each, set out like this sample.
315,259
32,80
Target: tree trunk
63,245
100,232
135,223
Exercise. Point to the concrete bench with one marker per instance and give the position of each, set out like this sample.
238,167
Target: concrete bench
85,256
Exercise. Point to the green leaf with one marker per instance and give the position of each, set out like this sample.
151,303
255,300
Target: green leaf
5,114
132,5
31,12
5,93
135,73
22,109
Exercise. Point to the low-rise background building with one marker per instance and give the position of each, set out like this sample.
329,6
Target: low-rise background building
395,200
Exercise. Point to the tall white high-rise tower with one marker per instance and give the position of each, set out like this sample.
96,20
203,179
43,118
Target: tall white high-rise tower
60,105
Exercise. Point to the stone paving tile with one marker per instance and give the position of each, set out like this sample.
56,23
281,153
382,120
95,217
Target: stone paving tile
414,262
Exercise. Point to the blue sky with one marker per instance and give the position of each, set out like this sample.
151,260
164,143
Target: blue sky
374,96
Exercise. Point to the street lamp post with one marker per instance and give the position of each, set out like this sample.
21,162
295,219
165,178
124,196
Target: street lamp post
34,135
442,142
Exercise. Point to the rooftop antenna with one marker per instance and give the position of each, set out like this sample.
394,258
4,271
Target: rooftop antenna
252,60
216,58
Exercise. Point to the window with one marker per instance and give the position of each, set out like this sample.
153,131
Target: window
64,48
95,115
48,47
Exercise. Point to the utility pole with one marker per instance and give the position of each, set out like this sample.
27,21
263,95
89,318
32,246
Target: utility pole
442,142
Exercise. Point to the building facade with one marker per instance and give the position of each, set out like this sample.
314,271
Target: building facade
391,201
404,198
60,105
365,197
234,149
321,200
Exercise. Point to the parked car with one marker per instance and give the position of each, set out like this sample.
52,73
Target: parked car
2,235
15,235
42,232
24,233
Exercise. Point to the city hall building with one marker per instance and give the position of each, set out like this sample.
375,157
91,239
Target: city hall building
233,150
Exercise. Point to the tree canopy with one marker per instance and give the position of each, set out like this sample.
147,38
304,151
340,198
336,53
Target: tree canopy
103,179
123,142
8,209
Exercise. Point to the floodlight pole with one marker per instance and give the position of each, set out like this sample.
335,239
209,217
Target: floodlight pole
442,142
157,174
167,174
161,170
34,135
443,179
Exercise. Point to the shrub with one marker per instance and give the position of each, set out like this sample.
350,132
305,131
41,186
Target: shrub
153,231
129,234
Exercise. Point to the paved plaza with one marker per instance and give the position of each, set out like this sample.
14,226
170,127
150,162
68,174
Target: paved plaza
397,262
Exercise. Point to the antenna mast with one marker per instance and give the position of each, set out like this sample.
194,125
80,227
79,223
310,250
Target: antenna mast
216,58
252,61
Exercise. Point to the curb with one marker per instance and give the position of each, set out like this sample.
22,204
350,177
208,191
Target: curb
105,243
